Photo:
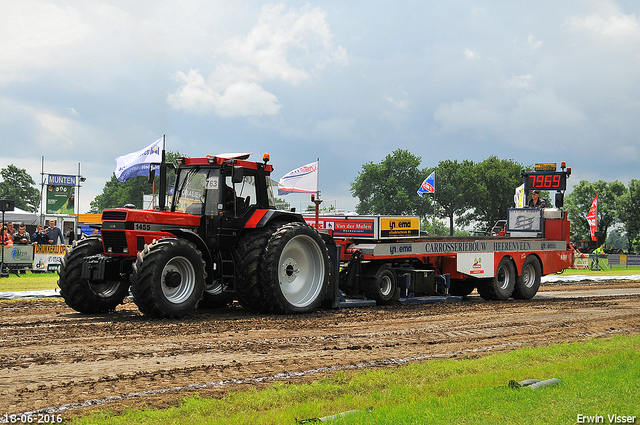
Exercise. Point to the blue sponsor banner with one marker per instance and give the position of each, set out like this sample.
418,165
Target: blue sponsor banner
61,180
633,260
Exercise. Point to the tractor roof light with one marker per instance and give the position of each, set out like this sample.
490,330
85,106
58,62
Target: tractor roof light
266,157
180,161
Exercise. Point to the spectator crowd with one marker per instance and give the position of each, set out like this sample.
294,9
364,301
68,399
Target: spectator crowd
51,235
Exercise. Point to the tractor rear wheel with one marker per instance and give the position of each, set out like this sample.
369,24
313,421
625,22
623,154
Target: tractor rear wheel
529,281
168,278
247,256
499,287
295,269
84,295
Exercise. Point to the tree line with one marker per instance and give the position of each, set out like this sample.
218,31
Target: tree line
468,194
478,194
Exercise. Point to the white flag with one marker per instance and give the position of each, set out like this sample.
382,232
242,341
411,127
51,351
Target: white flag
138,163
300,180
518,198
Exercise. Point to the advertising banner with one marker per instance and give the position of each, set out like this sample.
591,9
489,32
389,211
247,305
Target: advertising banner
48,258
18,255
399,227
347,227
60,199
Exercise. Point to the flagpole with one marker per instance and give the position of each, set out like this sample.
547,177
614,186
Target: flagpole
317,200
434,204
163,178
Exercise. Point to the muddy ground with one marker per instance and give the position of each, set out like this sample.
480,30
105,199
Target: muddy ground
54,358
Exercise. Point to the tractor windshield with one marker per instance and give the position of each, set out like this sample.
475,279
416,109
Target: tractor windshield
196,191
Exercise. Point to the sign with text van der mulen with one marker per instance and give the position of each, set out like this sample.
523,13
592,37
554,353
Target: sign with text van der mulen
60,194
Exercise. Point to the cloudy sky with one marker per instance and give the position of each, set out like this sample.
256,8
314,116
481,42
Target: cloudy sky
346,82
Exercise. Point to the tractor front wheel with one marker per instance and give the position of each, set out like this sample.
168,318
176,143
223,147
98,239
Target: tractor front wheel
168,278
84,295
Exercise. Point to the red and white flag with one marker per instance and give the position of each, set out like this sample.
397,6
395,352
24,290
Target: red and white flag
592,218
301,180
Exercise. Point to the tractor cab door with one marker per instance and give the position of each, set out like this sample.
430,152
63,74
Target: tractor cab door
241,197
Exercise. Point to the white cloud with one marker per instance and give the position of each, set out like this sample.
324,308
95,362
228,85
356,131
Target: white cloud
615,25
525,82
285,45
535,45
34,34
470,54
402,104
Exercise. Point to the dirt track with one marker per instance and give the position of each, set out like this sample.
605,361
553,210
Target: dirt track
53,357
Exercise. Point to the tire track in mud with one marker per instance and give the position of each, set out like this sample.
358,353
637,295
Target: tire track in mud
53,356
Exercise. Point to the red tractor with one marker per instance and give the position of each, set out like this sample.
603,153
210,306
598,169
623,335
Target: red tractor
220,239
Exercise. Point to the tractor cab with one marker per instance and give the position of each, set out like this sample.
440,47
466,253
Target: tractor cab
222,185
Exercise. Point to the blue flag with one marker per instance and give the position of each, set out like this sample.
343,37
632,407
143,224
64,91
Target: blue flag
428,185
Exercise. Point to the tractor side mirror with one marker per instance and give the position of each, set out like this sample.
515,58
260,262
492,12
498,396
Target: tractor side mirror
236,174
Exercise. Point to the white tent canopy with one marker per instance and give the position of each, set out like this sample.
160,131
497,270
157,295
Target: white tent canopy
20,216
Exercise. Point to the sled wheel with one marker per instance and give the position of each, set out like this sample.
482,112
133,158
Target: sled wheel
168,278
381,286
84,295
529,281
295,270
501,286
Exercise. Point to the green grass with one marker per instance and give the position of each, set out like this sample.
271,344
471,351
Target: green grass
29,282
599,377
613,271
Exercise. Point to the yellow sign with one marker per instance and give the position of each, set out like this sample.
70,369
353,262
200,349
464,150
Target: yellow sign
547,166
50,249
391,227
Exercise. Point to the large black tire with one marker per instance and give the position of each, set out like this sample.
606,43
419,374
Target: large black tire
247,255
295,269
81,294
381,284
461,288
529,281
168,278
501,286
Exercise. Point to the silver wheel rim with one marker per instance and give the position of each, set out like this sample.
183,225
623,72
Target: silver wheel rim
528,276
187,285
301,271
504,278
385,285
214,289
105,289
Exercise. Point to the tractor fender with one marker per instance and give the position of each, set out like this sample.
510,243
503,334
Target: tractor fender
264,217
194,238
